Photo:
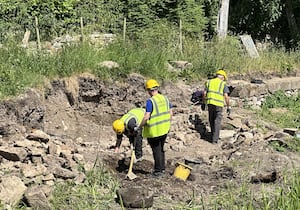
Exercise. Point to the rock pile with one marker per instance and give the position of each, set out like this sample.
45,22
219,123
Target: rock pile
31,164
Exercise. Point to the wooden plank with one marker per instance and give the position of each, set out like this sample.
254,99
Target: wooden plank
249,45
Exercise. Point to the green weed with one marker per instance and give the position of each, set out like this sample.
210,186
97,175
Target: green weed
280,100
148,55
97,192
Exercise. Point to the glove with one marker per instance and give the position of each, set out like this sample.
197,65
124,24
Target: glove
228,111
202,107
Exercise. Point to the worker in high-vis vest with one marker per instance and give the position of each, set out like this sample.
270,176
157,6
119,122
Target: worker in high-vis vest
216,93
128,125
156,124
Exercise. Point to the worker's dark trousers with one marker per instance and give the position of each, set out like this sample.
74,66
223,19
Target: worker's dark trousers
215,114
157,146
138,147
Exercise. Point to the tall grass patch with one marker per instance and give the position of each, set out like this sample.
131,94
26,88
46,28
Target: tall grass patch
15,75
284,111
282,195
21,68
147,54
288,118
97,192
135,57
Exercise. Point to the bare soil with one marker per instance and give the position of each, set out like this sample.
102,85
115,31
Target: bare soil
82,109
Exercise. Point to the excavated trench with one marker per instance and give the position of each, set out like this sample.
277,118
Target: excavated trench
71,120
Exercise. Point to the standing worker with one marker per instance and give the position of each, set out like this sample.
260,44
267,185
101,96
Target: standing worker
128,125
216,91
157,123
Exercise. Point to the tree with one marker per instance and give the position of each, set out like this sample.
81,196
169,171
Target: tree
278,18
254,17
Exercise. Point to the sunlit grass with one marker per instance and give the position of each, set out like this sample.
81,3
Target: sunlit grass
291,118
20,69
97,192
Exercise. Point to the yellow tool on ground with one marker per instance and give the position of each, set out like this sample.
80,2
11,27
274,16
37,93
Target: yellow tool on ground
130,174
182,171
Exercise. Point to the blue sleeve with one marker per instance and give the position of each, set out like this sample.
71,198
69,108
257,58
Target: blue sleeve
226,89
149,106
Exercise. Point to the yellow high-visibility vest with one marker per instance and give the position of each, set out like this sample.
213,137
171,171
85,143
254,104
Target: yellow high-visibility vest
160,120
136,113
215,92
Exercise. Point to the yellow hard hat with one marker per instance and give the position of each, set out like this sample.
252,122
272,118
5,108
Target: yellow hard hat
151,83
222,72
118,126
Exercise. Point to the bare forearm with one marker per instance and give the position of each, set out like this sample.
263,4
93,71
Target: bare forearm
145,119
118,142
227,100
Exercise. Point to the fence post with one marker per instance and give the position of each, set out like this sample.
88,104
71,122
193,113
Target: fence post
124,30
37,32
222,23
81,29
180,36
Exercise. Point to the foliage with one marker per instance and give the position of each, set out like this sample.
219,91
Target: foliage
191,13
285,119
61,17
292,144
281,100
102,15
21,69
277,19
140,57
54,17
254,17
148,55
139,15
244,197
97,192
211,9
199,17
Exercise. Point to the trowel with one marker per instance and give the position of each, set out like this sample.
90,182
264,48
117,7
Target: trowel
130,174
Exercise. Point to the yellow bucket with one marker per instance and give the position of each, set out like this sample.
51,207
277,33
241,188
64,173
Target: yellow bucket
182,171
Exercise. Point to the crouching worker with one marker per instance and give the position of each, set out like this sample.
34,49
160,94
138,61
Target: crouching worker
128,125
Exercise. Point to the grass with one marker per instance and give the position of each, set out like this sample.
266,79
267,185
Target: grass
97,192
290,118
21,69
245,196
282,196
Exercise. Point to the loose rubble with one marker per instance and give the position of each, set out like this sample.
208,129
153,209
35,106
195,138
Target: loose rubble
45,135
